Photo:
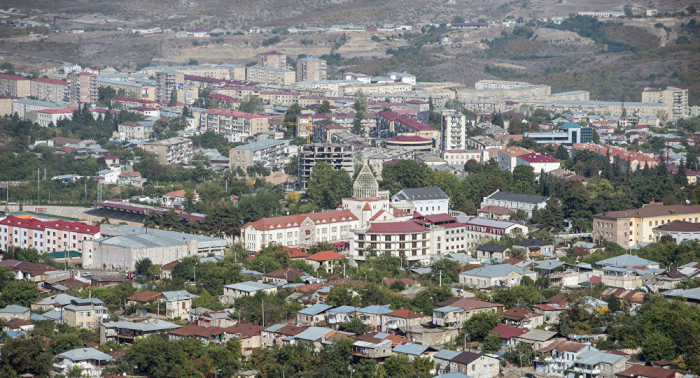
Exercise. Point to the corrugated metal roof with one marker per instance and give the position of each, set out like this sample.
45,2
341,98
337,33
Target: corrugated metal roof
412,349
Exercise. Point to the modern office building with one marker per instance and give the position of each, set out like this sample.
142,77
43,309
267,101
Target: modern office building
568,134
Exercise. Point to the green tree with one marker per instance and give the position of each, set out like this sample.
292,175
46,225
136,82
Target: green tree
614,303
360,101
356,326
27,356
160,358
252,104
325,107
292,168
19,293
327,187
479,324
492,343
142,265
657,347
173,97
522,355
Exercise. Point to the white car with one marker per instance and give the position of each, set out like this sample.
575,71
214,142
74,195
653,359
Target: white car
87,274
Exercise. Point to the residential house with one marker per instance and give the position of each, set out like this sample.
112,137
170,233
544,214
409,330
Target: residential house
496,275
401,318
126,331
340,315
316,336
325,260
18,325
143,298
533,248
490,251
313,315
371,315
559,357
415,350
284,275
54,302
85,313
508,334
178,303
376,345
454,311
522,317
538,338
597,364
91,361
641,371
550,312
515,201
248,288
475,365
273,336
248,334
219,319
442,360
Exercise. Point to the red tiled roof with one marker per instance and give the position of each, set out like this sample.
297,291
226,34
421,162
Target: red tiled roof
408,138
145,296
395,228
508,332
286,221
497,210
538,158
325,256
519,313
245,329
12,77
56,111
405,314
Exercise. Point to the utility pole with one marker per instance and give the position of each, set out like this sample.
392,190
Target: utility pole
440,272
38,187
263,312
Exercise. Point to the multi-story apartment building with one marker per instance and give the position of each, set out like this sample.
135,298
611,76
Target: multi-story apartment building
478,230
390,124
15,86
49,89
280,98
460,157
237,124
675,99
135,130
237,91
629,227
417,243
45,236
499,84
221,71
269,152
273,59
82,87
532,92
483,143
515,201
169,81
311,69
337,155
270,75
453,131
171,151
144,88
302,230
508,157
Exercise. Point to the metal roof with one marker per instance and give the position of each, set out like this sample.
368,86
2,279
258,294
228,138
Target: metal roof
84,354
313,333
14,309
446,354
343,310
150,325
375,310
595,357
274,328
249,286
693,294
626,261
499,270
412,349
177,295
420,194
315,309
517,197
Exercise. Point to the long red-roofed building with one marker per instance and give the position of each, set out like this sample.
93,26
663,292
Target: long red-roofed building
232,122
49,89
45,236
301,230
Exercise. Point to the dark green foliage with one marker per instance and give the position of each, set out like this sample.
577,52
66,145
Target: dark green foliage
328,187
27,356
479,325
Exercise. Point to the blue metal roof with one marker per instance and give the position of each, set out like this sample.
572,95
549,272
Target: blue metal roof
446,354
412,349
375,310
315,309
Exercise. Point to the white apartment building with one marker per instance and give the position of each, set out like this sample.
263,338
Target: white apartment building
45,236
453,131
426,201
508,157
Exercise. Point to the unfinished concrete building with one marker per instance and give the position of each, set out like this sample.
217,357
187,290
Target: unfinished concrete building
337,155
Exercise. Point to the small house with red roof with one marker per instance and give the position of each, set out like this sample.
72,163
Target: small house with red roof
523,317
508,334
326,260
402,319
538,162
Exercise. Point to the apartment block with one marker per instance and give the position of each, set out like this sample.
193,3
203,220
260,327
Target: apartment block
675,99
508,157
337,155
221,71
171,151
269,152
453,131
569,134
82,87
233,123
167,81
49,89
270,75
45,236
85,313
272,59
16,86
629,227
499,84
311,69
48,117
390,124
